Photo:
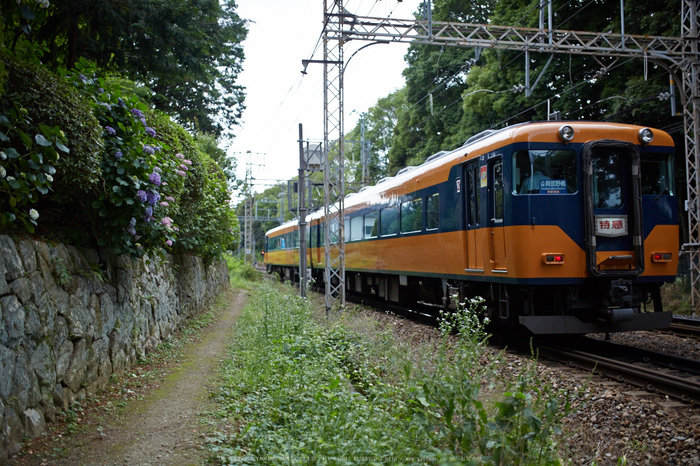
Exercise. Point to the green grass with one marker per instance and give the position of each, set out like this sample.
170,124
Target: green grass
242,276
297,388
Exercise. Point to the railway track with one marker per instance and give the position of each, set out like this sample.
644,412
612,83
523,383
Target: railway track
676,377
686,327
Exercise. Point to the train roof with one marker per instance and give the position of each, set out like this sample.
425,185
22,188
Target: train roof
436,168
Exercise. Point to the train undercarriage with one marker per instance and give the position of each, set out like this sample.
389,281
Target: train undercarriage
599,305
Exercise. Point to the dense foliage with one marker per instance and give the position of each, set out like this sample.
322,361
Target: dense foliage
188,52
452,93
86,158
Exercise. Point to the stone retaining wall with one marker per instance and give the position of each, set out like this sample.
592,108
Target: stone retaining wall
71,318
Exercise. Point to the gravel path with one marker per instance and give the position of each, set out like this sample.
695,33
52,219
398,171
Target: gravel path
164,426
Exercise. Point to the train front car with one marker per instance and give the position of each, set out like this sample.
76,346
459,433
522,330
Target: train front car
581,227
282,251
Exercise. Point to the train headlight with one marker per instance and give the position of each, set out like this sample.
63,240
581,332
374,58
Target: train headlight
552,259
645,135
566,133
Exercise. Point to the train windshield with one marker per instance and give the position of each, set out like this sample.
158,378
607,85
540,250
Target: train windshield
657,174
545,172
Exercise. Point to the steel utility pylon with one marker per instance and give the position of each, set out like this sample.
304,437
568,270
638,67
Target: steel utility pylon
678,55
334,154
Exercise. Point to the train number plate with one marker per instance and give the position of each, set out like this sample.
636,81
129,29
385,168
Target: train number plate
611,226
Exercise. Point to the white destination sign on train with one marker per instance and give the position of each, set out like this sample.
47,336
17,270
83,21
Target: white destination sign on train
611,226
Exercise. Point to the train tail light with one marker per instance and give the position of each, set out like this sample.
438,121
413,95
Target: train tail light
553,259
661,257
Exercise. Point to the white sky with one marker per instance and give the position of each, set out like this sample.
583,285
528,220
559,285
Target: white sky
281,34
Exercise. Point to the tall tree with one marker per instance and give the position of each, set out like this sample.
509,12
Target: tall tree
188,52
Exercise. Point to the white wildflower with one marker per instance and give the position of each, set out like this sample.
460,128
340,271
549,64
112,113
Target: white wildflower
49,178
2,172
3,155
33,214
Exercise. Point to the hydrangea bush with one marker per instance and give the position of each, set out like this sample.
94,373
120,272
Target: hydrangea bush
140,173
27,166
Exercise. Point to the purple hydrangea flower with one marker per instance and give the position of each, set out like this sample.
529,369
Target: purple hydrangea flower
179,156
130,228
153,197
148,149
157,148
106,105
121,103
181,173
188,162
148,214
154,178
137,113
141,195
184,167
110,130
169,243
118,154
157,169
167,221
164,204
143,121
150,131
83,78
169,198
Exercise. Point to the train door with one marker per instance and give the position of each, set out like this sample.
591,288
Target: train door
472,190
613,208
496,213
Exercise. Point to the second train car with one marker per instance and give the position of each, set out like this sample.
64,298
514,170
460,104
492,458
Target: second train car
563,227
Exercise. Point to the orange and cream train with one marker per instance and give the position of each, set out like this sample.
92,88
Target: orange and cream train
562,227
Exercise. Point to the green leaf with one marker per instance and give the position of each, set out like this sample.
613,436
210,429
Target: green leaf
28,13
42,189
42,141
26,139
13,201
36,157
12,153
62,148
3,137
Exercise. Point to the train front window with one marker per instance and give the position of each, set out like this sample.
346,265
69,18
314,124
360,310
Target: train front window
657,174
545,172
607,178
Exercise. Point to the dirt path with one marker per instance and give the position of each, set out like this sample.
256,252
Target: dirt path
164,427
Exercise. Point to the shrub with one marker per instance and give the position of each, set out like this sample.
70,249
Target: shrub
140,174
26,166
50,101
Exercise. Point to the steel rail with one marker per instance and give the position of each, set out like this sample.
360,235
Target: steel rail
651,380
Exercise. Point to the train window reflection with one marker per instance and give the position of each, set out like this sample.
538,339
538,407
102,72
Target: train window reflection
498,191
388,221
657,174
433,211
545,172
371,225
356,228
412,216
607,178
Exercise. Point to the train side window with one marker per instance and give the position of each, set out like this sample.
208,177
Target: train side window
295,237
477,195
347,229
371,224
433,211
412,216
356,228
657,174
282,242
388,221
322,234
545,172
333,233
